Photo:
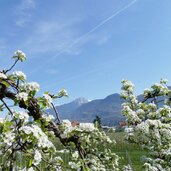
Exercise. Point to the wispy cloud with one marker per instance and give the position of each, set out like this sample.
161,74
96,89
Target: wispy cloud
84,37
51,36
52,71
24,12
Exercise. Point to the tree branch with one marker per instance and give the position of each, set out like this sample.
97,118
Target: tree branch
11,66
57,114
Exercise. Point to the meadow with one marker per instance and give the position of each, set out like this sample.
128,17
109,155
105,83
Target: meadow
130,153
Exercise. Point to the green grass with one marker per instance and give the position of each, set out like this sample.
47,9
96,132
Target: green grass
129,153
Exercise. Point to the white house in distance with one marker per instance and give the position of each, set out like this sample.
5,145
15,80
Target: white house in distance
128,129
108,128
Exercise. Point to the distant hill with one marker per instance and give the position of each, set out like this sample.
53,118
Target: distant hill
109,109
67,110
82,110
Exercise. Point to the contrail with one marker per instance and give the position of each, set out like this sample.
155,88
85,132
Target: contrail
86,34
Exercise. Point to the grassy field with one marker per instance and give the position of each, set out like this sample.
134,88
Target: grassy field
129,153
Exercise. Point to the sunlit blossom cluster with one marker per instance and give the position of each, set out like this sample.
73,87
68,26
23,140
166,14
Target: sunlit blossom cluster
22,96
2,75
31,86
150,118
20,75
19,55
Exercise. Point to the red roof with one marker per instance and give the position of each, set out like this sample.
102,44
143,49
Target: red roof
75,123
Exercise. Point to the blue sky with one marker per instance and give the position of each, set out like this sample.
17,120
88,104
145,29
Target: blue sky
88,46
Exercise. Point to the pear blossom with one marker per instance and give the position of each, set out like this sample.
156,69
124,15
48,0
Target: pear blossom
152,105
20,55
9,138
2,75
22,96
68,126
26,129
48,99
37,157
48,118
44,142
19,75
163,81
32,86
73,165
62,93
41,137
75,155
87,126
127,168
21,115
147,92
31,169
127,85
67,122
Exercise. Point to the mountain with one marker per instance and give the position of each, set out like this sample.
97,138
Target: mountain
82,110
66,110
108,109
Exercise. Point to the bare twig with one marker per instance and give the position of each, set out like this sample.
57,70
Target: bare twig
7,106
56,113
11,66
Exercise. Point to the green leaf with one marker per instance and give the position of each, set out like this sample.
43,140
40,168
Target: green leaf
5,83
30,162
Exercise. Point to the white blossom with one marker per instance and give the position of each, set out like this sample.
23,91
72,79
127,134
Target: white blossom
163,81
68,126
32,86
140,112
20,75
20,55
37,157
62,93
144,127
22,96
73,165
41,137
146,92
44,142
128,86
48,118
31,169
127,168
48,99
152,105
87,126
9,138
26,129
21,115
75,155
2,75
